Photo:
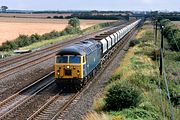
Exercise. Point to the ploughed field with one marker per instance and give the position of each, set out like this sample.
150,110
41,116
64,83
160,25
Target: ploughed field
11,28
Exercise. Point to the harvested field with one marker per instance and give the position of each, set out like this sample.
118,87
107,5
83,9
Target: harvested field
41,15
177,23
12,27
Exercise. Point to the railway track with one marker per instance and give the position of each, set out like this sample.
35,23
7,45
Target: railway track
10,66
12,103
120,47
56,105
12,60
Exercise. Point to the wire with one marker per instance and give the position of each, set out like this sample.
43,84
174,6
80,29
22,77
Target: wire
167,88
161,96
159,85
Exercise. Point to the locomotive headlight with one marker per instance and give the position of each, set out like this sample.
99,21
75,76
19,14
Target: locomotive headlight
68,66
78,72
58,71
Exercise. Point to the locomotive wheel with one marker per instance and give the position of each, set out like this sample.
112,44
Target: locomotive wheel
79,86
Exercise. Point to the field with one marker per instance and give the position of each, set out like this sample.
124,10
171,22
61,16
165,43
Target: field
42,15
12,27
177,23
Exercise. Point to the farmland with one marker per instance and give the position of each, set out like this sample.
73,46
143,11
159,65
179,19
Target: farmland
42,15
12,27
177,23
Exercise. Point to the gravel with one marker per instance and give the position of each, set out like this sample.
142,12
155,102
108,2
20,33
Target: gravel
77,110
17,81
83,105
32,105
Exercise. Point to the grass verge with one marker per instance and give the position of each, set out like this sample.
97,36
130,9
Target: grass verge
139,71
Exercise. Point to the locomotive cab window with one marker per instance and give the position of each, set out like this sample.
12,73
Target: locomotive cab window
62,59
74,59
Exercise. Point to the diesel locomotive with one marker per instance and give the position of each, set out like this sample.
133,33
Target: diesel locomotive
77,63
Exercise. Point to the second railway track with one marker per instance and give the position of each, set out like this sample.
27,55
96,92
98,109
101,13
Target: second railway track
22,62
60,102
13,102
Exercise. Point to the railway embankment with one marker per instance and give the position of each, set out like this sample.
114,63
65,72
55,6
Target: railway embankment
136,89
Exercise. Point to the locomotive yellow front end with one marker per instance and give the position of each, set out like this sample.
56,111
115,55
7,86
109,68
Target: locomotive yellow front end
68,70
68,67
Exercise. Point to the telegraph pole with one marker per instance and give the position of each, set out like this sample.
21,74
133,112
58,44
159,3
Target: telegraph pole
161,50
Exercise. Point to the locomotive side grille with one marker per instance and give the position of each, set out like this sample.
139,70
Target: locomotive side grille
68,72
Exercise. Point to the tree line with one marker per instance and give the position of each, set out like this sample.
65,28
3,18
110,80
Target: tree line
89,15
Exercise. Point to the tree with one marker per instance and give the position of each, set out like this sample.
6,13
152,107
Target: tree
73,26
4,8
74,22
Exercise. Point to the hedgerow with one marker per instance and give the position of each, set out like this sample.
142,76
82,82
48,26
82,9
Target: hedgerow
172,33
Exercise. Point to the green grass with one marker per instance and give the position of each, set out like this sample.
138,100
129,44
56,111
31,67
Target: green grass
142,72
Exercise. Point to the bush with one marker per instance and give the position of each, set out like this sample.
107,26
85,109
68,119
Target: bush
35,38
145,111
22,41
134,42
74,22
174,94
71,30
8,45
171,33
121,96
55,34
58,17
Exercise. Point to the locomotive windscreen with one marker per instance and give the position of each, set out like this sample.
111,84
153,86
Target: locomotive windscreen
62,59
68,59
74,59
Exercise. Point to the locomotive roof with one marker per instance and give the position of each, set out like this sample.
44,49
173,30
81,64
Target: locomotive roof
81,48
71,50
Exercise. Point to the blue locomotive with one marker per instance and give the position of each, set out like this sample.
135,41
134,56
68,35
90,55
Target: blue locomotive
75,64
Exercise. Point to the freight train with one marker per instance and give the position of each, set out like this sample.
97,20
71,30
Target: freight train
77,63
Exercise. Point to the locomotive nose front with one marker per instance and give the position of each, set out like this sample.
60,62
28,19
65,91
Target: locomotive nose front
68,67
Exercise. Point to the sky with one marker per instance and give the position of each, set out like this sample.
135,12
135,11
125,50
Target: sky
138,5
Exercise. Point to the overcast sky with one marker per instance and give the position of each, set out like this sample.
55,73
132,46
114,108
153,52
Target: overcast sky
172,5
